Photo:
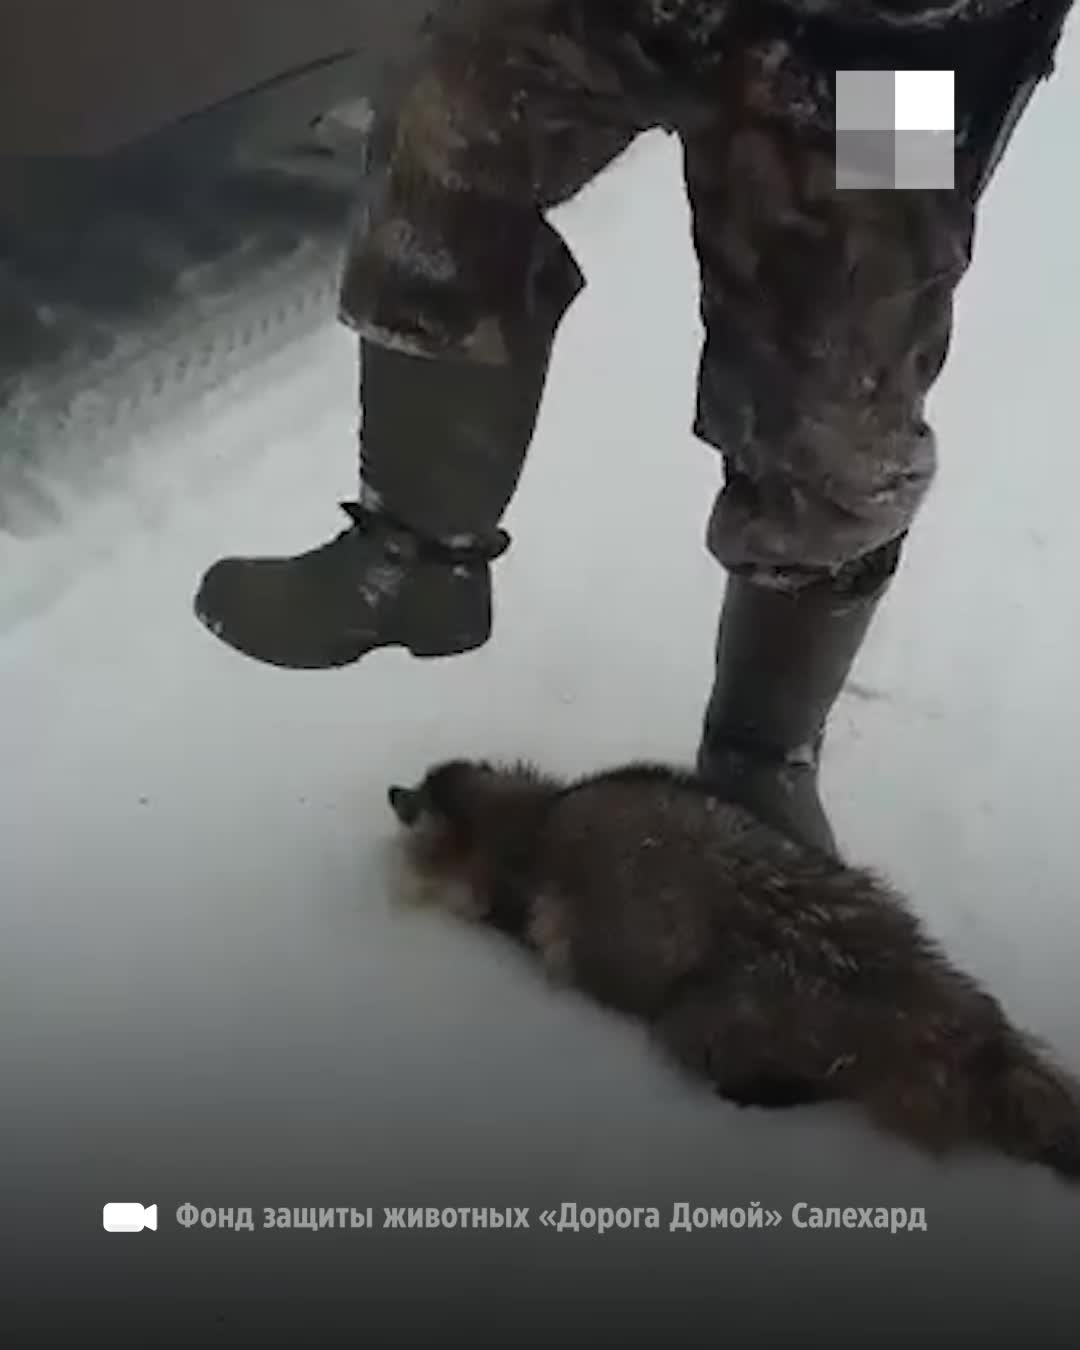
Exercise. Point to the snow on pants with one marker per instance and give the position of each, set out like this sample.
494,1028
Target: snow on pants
827,313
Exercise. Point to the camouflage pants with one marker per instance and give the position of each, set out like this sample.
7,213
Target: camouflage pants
827,314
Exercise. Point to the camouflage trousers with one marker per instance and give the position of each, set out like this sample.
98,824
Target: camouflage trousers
827,314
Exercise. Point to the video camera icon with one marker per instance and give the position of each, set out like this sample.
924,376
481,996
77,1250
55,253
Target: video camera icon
129,1218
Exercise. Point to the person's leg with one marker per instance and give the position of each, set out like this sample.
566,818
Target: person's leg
828,318
456,285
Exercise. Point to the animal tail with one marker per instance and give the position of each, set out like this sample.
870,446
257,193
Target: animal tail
1008,1096
1032,1109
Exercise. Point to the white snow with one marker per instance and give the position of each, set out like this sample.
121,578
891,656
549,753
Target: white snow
208,993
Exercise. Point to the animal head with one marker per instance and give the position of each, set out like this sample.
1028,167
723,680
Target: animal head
470,811
442,803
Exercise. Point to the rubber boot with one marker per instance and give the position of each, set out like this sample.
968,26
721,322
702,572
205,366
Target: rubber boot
782,659
443,445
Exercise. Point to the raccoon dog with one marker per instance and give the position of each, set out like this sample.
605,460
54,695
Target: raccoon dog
781,976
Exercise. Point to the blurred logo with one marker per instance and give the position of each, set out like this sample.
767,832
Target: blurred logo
123,1218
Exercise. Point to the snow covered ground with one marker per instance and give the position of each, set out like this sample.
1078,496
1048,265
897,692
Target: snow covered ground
209,995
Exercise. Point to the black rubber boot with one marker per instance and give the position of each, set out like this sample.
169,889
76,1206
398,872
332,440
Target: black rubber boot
443,443
782,659
443,446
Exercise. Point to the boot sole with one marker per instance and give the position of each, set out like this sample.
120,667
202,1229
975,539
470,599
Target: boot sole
420,650
424,652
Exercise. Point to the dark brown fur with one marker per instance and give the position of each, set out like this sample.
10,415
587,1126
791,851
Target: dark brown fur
780,975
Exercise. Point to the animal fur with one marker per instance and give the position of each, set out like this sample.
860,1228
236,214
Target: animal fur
780,975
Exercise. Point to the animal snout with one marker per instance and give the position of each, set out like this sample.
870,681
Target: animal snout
405,804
